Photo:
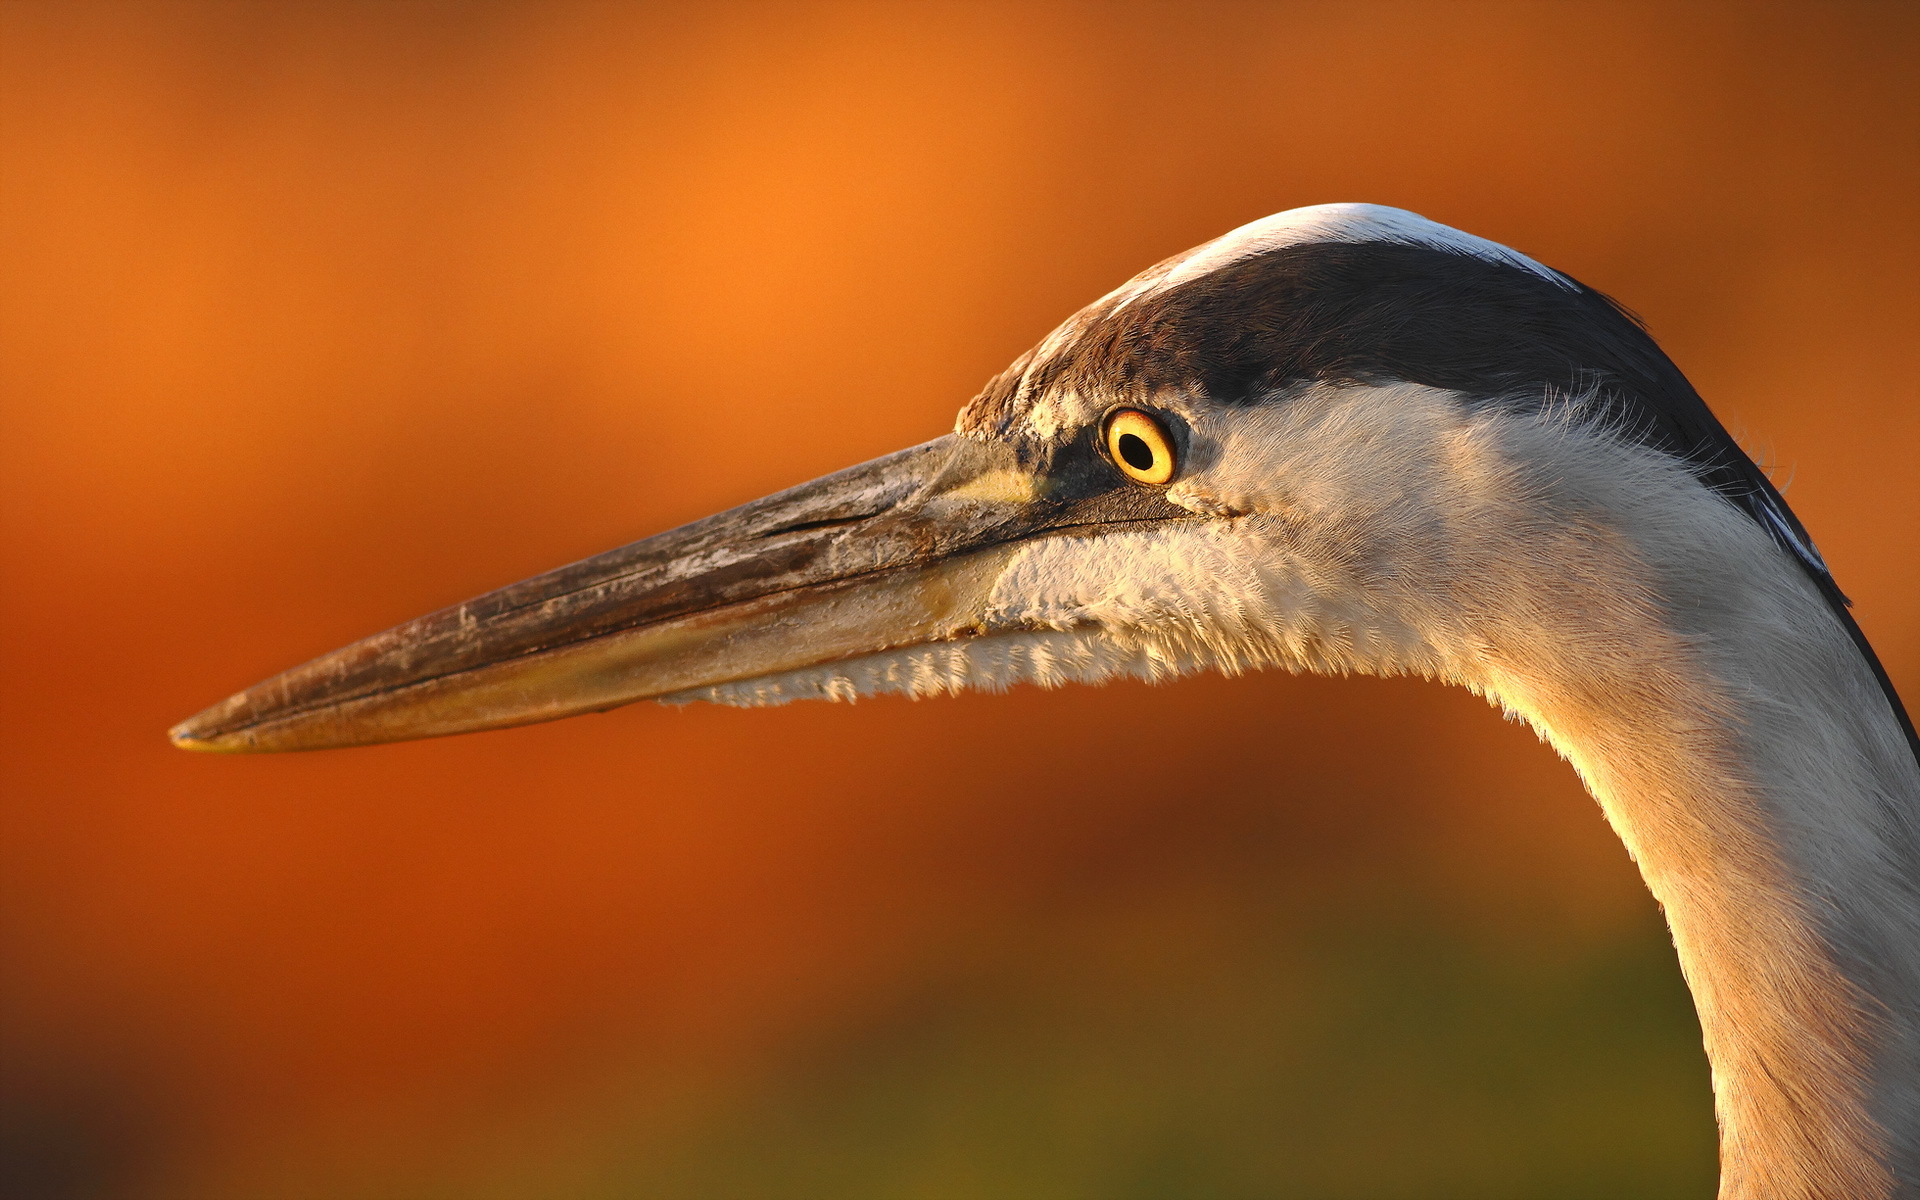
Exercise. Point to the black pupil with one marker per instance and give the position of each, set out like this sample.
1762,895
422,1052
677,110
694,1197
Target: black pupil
1134,449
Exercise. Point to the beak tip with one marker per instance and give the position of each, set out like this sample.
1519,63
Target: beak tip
195,734
183,738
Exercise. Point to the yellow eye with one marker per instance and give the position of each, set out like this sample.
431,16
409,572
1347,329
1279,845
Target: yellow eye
1140,446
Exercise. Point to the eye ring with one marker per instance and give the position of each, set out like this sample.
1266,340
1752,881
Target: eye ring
1141,447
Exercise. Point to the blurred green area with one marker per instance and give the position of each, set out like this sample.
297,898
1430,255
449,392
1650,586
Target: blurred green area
1342,1045
1373,1060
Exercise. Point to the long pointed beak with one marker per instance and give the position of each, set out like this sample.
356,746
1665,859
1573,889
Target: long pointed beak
900,551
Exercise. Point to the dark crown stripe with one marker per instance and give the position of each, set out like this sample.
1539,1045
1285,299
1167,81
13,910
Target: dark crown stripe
1385,312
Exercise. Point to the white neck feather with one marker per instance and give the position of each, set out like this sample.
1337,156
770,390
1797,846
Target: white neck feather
1743,751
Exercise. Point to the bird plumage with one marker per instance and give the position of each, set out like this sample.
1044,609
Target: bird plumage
1400,449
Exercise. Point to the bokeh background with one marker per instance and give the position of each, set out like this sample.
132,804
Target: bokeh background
319,316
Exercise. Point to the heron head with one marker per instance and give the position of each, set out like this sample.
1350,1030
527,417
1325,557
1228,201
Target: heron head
1300,445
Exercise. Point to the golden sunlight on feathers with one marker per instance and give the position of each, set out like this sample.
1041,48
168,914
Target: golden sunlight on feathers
323,315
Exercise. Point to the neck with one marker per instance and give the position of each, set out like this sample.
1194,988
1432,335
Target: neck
1688,668
1743,751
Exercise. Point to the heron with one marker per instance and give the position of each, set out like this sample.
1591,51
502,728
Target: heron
1343,438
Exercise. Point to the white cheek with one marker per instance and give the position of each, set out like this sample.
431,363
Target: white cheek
1181,578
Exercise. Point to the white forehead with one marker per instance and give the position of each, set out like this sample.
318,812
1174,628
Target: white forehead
1335,223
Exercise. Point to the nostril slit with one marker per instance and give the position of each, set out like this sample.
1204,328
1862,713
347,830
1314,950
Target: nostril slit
823,523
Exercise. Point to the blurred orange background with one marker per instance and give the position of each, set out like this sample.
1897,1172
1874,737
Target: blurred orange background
320,316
